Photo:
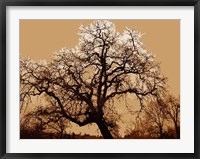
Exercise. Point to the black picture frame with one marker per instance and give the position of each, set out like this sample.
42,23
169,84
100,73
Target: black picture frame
5,3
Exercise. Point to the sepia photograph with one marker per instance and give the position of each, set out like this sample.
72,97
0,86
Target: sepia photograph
99,79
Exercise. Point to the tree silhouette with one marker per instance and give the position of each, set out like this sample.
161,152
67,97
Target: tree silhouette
155,116
45,119
82,83
173,112
158,115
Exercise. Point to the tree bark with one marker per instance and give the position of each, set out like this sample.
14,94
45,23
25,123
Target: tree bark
104,130
161,131
177,131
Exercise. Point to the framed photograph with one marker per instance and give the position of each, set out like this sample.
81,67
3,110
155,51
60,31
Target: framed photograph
99,79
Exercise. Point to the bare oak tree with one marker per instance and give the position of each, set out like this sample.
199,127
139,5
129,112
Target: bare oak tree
83,82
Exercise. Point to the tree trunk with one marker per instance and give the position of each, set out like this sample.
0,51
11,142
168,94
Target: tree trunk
104,130
177,131
161,131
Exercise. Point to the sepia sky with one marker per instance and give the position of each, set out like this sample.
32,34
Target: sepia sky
39,39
